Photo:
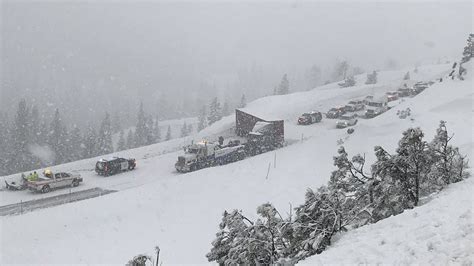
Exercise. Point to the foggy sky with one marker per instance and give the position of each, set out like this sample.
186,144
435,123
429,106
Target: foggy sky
69,51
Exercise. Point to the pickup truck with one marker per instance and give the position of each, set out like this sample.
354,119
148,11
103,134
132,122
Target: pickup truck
45,184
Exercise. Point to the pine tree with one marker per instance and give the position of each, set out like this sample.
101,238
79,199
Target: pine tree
243,101
168,134
5,145
90,148
57,138
313,77
75,144
341,71
190,129
202,122
413,161
407,76
104,141
215,111
116,124
468,52
20,139
156,131
284,87
372,78
316,221
141,128
149,133
131,139
449,166
232,229
225,109
121,145
184,130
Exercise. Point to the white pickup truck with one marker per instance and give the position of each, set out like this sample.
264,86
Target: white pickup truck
45,184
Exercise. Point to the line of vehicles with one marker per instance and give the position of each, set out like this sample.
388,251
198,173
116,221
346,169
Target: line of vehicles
49,181
264,136
371,106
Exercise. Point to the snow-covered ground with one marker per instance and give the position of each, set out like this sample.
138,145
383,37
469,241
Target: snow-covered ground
180,212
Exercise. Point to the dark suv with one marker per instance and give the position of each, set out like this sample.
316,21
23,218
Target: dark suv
115,165
310,118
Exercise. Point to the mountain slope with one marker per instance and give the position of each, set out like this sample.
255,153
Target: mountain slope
181,212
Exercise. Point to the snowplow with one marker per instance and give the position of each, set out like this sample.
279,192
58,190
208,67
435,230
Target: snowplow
205,154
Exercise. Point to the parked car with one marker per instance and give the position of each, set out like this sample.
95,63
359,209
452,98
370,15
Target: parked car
392,96
375,108
367,99
405,92
347,120
354,106
310,118
51,181
115,165
335,112
420,86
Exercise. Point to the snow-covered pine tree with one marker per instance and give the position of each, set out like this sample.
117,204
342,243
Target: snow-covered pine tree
353,187
116,124
388,191
407,76
184,130
149,134
121,144
316,221
57,138
243,101
131,139
90,143
168,134
225,109
104,141
284,87
468,52
233,230
190,129
202,122
341,70
449,165
156,131
413,160
75,144
215,111
20,139
313,77
4,144
371,78
141,127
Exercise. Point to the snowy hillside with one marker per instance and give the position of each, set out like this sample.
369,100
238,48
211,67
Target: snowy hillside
155,205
